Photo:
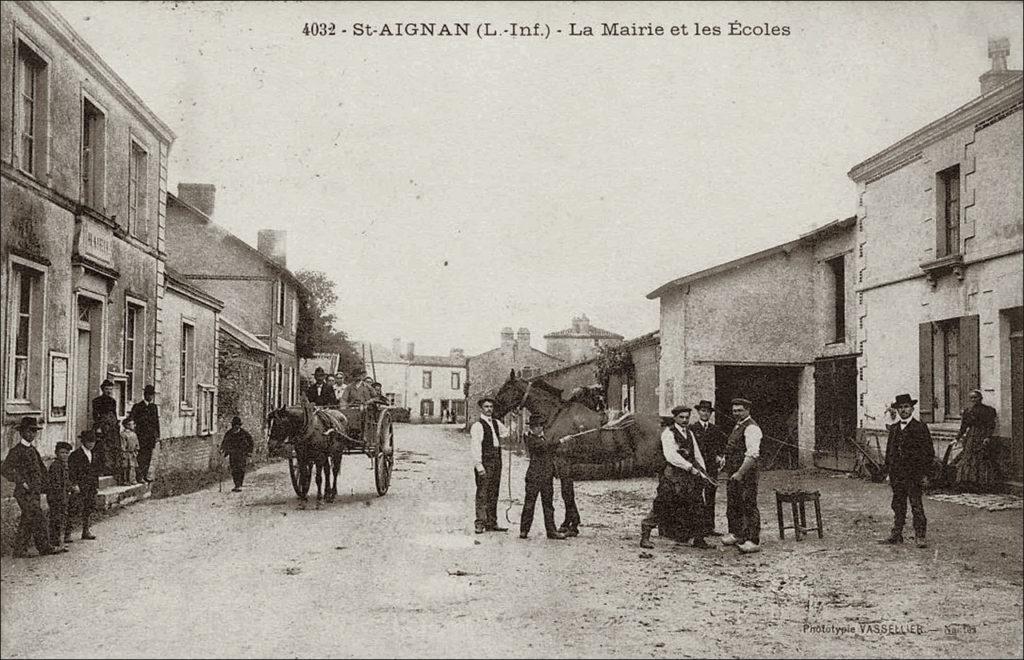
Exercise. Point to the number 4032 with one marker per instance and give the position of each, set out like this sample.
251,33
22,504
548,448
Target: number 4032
319,30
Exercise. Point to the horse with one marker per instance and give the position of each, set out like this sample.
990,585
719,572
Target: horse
310,429
581,425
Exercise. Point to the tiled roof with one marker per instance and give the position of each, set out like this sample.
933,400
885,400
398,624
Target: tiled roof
588,332
244,337
437,361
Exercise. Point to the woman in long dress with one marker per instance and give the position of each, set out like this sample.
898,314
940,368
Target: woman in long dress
976,468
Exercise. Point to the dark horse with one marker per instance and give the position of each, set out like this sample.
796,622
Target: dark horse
309,429
575,420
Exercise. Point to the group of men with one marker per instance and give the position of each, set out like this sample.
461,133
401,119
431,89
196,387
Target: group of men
363,389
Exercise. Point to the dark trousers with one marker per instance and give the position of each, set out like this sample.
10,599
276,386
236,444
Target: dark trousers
145,458
85,501
572,514
487,487
709,509
546,489
31,525
58,524
238,475
741,509
904,489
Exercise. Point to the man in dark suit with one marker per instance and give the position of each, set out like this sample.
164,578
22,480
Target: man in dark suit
321,393
24,466
104,420
908,456
711,441
147,427
85,468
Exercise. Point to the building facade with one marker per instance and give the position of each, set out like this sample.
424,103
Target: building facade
726,333
83,167
939,238
487,371
260,294
581,341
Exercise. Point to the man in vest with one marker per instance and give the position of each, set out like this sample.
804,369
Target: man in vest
485,447
908,455
742,450
711,441
678,508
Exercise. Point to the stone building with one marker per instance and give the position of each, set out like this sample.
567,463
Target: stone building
762,327
260,294
83,170
188,360
487,371
243,371
940,238
580,341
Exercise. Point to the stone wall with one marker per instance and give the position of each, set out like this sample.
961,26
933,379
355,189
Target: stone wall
242,384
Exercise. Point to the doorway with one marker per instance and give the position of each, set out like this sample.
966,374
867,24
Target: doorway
774,395
835,411
1016,394
87,359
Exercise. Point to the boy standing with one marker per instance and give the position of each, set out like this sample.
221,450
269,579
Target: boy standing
85,467
129,459
237,446
58,496
540,479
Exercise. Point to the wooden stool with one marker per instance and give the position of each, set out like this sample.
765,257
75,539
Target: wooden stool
797,498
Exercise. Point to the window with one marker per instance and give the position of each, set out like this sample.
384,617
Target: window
390,396
278,383
949,357
137,165
948,215
428,378
295,314
838,268
93,141
32,93
205,416
187,366
280,302
26,333
456,380
427,408
132,344
291,385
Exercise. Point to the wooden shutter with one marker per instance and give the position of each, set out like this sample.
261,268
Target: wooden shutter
926,385
970,352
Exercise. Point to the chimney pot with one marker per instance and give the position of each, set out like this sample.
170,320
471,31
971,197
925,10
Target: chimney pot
410,350
998,75
272,244
201,196
396,346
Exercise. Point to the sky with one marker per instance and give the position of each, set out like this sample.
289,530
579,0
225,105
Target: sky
452,186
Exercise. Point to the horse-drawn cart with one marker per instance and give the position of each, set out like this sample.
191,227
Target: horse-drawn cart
333,432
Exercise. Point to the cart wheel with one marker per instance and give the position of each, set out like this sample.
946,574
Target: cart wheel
299,485
384,458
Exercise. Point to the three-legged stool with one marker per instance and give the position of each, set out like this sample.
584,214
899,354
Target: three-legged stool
797,498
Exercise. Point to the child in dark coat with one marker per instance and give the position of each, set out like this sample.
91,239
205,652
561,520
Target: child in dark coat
58,496
237,446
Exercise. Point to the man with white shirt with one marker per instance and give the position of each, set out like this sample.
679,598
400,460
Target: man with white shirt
485,448
678,508
24,466
742,450
908,455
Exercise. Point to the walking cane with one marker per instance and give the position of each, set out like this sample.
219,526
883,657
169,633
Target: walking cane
220,483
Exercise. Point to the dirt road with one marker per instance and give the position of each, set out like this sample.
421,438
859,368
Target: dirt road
222,575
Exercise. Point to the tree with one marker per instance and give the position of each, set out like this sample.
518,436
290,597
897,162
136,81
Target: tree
316,332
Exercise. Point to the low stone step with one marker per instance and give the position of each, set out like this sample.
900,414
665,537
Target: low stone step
114,496
1014,487
107,482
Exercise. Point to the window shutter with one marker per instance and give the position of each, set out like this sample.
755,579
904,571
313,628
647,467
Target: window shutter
969,355
926,386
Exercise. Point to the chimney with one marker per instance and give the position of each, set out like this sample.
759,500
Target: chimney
396,347
523,338
580,324
998,75
507,337
272,244
457,354
410,350
198,195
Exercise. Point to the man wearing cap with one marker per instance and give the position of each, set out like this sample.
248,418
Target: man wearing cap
105,422
321,393
24,466
678,508
908,456
485,437
147,427
742,449
711,441
85,469
540,479
58,496
237,445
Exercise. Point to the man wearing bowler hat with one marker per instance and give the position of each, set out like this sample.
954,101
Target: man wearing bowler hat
24,466
147,427
108,427
711,441
485,437
321,393
540,478
85,469
908,456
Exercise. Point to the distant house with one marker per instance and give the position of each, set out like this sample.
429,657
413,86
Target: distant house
580,341
487,371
